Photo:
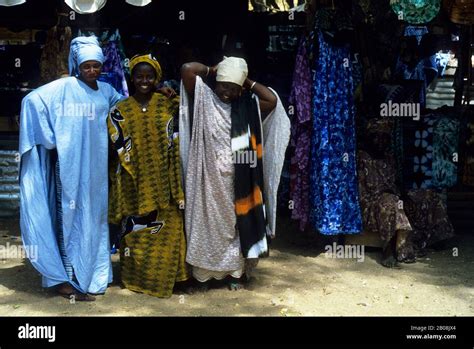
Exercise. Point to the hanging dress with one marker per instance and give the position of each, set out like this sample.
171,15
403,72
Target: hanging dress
300,142
334,196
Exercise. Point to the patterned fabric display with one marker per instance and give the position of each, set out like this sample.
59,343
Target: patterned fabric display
445,139
333,181
300,98
416,11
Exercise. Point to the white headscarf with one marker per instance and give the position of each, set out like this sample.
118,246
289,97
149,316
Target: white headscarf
232,69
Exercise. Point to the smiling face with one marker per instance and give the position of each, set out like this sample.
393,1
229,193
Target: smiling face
227,91
90,71
144,78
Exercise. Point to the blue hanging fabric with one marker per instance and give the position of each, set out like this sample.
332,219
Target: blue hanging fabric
333,180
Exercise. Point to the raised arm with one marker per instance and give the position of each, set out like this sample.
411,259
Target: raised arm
189,71
266,97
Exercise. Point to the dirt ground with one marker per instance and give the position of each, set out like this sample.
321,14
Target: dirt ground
297,280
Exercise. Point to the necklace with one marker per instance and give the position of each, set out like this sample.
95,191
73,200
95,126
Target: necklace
143,106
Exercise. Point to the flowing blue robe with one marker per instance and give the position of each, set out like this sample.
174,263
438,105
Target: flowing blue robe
70,117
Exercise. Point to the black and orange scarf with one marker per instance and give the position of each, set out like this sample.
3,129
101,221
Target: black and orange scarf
246,136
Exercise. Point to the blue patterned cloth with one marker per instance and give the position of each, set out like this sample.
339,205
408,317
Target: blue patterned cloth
428,149
112,79
113,67
333,181
446,143
442,60
418,73
418,32
418,152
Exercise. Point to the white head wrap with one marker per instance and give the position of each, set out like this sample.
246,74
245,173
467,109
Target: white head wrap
232,69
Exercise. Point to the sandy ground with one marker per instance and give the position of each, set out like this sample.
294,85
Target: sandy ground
297,280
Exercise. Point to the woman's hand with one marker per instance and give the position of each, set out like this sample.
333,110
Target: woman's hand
168,92
267,99
190,70
213,71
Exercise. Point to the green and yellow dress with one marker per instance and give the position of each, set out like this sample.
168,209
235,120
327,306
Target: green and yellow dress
146,195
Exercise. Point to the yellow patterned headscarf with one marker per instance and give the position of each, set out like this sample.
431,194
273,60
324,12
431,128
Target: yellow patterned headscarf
146,59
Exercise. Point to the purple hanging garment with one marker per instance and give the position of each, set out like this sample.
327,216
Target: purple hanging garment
300,98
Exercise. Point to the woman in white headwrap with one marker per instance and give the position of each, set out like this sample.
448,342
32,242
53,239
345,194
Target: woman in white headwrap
231,168
63,180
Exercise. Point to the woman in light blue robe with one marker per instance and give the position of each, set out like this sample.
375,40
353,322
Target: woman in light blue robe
63,178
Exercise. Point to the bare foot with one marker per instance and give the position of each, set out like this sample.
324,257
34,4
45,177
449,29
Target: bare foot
69,292
404,249
388,255
389,262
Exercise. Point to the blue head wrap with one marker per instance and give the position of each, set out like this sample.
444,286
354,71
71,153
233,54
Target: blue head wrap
84,48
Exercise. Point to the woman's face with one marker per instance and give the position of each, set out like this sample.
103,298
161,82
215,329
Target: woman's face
90,71
227,91
144,78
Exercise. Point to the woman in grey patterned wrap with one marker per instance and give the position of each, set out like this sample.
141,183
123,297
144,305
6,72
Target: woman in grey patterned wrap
210,221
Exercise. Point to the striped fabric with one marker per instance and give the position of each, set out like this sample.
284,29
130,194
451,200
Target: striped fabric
246,132
59,214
